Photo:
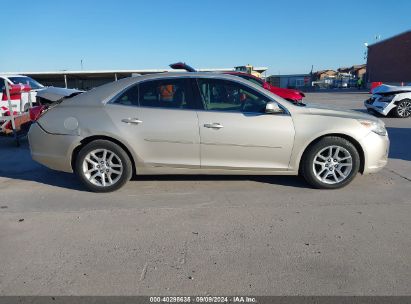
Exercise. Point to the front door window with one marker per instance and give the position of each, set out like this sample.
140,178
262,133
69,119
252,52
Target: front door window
224,95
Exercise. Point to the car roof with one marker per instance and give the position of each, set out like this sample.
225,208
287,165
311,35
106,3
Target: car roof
242,74
184,74
236,73
12,75
104,93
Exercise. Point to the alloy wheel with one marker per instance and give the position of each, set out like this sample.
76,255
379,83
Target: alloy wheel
102,167
332,164
404,108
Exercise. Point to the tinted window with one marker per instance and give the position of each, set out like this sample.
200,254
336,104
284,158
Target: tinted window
167,93
224,95
2,85
26,80
128,97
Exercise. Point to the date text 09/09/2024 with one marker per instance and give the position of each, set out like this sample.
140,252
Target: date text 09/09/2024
203,299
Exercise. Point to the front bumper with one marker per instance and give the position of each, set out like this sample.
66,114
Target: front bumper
52,150
380,107
376,149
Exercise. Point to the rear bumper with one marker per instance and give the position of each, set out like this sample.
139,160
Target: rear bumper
52,150
376,149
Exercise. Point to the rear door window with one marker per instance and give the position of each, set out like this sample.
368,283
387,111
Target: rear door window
129,97
166,93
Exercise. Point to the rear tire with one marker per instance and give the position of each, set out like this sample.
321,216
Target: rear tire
403,109
103,166
330,163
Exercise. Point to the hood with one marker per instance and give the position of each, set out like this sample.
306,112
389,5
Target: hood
384,89
338,112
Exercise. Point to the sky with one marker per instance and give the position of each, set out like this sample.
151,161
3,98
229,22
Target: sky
285,36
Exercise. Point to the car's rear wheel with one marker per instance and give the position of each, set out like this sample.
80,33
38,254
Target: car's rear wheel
403,109
103,166
330,163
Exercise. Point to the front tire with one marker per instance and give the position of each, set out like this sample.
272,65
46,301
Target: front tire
403,109
330,163
103,166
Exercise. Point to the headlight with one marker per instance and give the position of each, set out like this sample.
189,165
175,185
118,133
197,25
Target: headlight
378,128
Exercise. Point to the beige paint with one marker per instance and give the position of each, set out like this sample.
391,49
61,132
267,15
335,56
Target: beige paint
176,141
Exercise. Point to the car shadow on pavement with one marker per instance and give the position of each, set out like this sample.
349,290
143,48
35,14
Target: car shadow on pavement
18,165
46,176
400,143
290,181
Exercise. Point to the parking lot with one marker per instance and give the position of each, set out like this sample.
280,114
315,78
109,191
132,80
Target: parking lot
208,234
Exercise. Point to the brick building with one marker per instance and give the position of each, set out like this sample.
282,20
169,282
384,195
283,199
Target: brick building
356,70
320,75
389,60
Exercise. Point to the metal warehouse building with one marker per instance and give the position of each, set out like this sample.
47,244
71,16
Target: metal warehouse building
294,81
389,60
86,80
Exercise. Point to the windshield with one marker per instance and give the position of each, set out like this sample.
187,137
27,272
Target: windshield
26,80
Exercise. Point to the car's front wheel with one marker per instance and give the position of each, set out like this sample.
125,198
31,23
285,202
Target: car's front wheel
330,163
403,109
103,166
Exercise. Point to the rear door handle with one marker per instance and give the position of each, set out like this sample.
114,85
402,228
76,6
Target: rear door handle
214,125
134,121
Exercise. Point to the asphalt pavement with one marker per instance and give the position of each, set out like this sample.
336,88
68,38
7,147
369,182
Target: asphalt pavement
208,235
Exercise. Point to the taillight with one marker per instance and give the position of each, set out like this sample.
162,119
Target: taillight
36,112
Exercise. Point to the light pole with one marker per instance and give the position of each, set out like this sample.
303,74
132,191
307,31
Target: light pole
368,71
366,51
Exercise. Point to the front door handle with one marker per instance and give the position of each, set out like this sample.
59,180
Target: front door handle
214,125
134,121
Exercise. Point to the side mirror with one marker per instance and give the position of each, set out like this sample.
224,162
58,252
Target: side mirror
273,108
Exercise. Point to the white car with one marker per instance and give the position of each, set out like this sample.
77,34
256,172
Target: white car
388,99
23,105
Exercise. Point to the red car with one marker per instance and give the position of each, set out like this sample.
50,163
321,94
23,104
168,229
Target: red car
294,96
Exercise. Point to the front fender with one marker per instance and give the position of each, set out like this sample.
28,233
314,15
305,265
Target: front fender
307,133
